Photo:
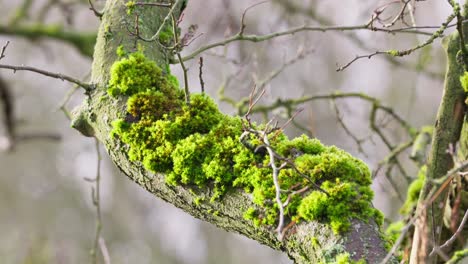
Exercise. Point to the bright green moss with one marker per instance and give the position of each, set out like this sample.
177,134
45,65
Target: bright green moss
198,200
393,231
130,7
343,258
197,146
166,35
413,192
464,81
136,74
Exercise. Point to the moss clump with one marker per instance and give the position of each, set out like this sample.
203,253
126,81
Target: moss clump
413,192
136,74
464,81
130,7
198,146
393,231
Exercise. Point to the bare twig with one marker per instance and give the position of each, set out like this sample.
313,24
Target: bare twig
346,129
164,22
96,198
2,53
301,54
401,53
179,57
104,251
242,24
86,86
259,38
454,236
200,75
95,11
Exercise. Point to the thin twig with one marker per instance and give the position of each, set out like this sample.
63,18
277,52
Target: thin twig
401,53
305,28
242,24
86,86
200,75
346,128
104,251
153,4
95,11
96,198
163,23
2,53
454,236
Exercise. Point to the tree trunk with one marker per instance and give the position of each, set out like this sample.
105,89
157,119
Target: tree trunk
311,242
448,126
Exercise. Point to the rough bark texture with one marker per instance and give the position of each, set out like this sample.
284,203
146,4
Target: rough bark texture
306,243
448,125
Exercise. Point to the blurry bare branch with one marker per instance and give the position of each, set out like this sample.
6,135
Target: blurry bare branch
455,235
301,54
347,130
95,11
6,100
259,38
20,13
60,76
291,7
400,53
83,41
240,36
2,52
99,242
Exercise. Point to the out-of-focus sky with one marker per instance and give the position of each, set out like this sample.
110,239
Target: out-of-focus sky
46,213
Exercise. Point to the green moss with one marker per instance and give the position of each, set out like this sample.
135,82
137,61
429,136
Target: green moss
464,83
315,242
343,258
413,192
197,146
393,53
166,36
136,74
130,7
393,231
198,200
458,256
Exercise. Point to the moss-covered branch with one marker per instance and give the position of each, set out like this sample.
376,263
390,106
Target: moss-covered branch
191,155
83,41
446,134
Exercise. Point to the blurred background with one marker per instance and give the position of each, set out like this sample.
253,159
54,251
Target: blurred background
46,211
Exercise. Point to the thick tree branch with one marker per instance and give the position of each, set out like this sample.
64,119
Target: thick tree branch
84,41
308,242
